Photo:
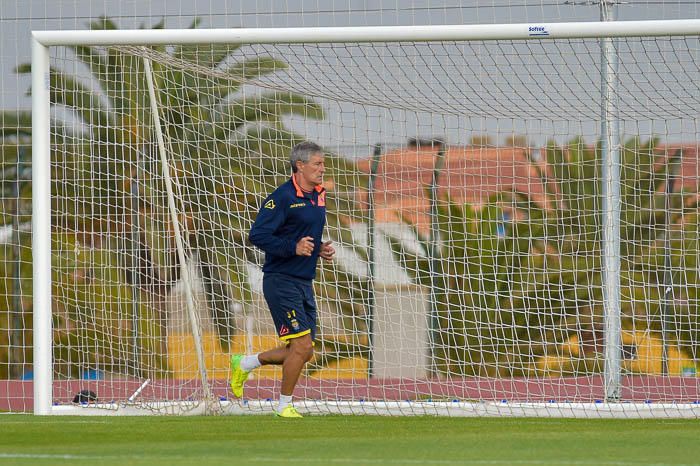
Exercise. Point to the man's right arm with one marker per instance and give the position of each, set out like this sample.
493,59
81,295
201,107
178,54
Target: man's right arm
270,218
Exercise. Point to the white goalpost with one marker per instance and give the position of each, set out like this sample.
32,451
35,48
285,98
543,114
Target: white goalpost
515,209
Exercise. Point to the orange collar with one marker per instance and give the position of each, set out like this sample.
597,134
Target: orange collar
300,193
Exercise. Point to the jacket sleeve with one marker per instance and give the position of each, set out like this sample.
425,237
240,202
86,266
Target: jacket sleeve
263,233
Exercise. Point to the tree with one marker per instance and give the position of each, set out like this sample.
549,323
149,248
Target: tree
123,207
15,246
501,300
471,273
574,187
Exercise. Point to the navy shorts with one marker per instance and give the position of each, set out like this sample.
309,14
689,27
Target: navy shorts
292,305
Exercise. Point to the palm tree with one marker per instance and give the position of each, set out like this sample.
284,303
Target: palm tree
222,146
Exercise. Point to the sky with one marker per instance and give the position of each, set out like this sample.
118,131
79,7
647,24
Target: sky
346,123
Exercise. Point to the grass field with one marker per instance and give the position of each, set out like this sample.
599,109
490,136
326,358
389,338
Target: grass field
351,440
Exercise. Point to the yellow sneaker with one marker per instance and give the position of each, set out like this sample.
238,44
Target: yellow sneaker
238,375
288,411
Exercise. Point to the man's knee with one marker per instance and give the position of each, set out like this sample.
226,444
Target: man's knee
303,346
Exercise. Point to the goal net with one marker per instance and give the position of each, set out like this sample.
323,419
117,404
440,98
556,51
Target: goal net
498,252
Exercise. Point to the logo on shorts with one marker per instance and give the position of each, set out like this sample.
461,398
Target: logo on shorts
295,324
270,204
284,330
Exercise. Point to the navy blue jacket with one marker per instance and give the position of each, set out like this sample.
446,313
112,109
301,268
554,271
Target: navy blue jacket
286,216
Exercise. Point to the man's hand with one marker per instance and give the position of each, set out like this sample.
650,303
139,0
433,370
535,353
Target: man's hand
305,246
327,251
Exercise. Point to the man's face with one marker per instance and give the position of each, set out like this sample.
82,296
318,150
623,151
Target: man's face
312,171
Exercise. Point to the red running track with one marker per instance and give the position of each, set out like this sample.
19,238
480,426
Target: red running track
17,396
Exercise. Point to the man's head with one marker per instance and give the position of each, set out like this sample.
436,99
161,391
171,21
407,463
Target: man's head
307,163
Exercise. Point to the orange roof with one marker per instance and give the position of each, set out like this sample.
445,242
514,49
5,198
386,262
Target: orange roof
469,175
473,174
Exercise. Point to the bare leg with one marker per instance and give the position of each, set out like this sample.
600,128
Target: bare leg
274,356
300,351
292,357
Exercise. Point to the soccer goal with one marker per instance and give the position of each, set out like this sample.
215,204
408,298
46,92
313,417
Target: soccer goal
515,209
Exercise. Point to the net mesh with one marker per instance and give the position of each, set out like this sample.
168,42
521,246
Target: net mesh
464,199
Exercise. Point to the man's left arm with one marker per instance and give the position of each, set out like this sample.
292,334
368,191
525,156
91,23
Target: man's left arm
327,251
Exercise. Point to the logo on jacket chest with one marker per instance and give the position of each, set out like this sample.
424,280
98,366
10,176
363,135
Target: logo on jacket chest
319,202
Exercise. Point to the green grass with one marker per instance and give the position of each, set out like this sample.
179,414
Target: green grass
351,440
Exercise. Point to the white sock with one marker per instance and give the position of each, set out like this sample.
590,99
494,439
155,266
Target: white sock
250,362
285,400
